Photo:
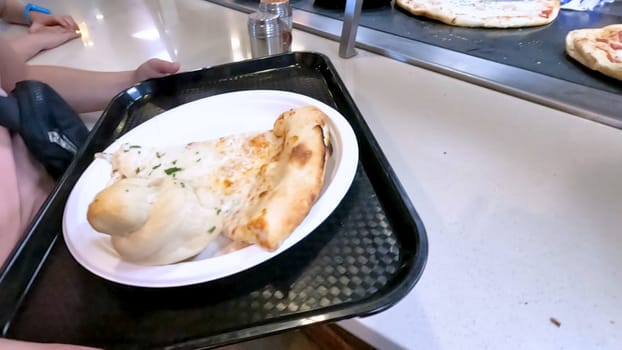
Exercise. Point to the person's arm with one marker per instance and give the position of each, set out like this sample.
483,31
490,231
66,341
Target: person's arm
12,11
88,91
7,344
84,90
12,66
29,45
40,20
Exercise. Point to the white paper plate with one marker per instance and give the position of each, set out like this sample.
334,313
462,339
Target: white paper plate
208,118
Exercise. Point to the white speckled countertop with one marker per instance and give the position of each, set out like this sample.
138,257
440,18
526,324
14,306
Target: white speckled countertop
522,203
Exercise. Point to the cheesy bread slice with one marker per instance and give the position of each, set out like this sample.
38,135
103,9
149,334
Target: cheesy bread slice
254,188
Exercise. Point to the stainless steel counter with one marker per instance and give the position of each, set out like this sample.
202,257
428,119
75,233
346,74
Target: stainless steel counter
527,63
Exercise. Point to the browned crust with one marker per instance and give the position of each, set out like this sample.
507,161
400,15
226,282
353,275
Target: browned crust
294,180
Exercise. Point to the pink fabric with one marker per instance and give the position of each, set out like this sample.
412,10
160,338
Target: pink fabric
24,185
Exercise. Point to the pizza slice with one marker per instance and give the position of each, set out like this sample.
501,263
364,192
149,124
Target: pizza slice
167,205
485,13
599,49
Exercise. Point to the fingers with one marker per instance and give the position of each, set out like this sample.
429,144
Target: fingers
71,35
40,21
51,37
155,68
69,23
169,67
63,37
163,67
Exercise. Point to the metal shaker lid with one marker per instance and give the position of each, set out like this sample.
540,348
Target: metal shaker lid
280,7
263,24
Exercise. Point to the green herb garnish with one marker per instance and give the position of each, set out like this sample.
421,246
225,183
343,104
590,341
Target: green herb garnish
211,229
171,171
156,166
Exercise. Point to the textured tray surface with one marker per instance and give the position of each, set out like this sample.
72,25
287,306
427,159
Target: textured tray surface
361,260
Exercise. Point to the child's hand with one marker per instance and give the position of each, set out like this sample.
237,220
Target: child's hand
29,45
155,68
41,21
51,37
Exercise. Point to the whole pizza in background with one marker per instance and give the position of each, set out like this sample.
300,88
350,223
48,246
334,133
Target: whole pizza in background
485,13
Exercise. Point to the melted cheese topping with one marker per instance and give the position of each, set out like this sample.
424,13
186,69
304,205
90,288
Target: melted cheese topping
225,173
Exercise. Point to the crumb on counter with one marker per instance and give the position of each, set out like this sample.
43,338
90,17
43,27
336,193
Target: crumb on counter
555,322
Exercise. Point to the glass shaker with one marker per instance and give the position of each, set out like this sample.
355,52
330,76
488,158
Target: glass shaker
265,34
284,10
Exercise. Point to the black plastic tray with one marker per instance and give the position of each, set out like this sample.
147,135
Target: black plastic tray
364,258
